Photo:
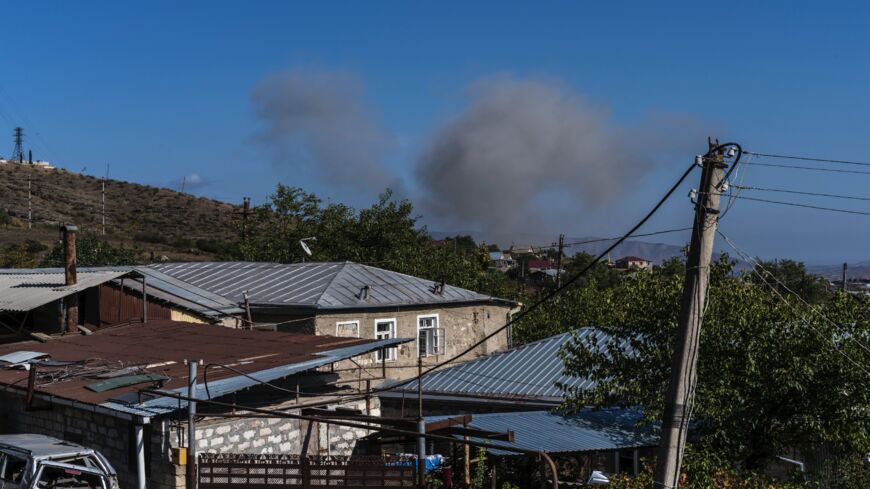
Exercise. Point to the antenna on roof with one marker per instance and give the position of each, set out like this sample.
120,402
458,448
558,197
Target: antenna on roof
304,245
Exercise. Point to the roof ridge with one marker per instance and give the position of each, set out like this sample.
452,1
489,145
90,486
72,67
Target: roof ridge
421,278
342,266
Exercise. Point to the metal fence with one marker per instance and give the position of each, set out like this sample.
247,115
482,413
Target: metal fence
244,471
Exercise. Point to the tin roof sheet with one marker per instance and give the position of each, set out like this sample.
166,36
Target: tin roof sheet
321,285
23,290
17,287
529,371
585,431
162,346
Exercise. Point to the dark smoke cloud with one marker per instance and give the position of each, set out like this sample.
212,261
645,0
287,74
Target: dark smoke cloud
322,117
521,144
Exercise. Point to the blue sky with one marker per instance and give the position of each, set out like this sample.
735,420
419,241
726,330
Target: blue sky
160,90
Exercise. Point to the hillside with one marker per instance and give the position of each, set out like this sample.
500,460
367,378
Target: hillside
155,219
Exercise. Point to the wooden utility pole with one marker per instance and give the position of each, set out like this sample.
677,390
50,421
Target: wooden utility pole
845,268
681,388
30,200
559,261
70,278
421,427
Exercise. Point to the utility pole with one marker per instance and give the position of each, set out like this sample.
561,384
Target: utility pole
845,267
421,427
559,261
681,388
191,426
29,201
103,204
246,209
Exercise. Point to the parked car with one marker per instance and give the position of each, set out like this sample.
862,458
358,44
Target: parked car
29,461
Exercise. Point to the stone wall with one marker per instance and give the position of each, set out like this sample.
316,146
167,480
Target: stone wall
112,436
463,326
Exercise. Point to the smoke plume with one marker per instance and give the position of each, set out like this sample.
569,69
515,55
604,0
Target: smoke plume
319,120
521,145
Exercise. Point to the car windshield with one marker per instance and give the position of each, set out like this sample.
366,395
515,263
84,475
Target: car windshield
11,467
59,477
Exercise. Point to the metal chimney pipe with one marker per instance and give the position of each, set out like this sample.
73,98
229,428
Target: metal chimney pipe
69,273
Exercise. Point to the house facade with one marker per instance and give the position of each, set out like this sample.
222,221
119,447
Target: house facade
347,299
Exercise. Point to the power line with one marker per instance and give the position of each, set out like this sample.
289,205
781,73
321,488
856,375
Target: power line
655,233
549,296
795,204
809,158
795,167
799,192
757,265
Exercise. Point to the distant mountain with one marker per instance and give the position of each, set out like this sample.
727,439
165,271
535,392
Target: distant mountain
856,271
654,252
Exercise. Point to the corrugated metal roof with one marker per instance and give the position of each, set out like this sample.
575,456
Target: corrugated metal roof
22,291
586,431
162,346
321,285
185,295
530,371
159,286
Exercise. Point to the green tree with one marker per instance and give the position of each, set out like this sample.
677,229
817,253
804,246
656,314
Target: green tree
772,373
5,219
91,251
386,235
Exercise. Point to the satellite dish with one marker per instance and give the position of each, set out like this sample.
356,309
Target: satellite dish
305,247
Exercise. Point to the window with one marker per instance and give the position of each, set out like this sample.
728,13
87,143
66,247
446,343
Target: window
11,469
347,329
430,338
385,329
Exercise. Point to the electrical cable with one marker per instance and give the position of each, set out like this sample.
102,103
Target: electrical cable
795,204
749,258
795,167
549,296
808,158
800,192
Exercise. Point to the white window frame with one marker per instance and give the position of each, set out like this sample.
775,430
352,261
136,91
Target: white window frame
439,333
339,323
391,353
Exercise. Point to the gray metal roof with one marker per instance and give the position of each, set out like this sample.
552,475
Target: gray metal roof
25,290
530,371
588,430
24,287
185,295
320,285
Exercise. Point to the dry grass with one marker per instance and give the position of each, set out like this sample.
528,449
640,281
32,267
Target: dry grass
156,219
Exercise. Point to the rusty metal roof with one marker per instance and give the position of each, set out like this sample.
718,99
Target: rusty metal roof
161,347
25,290
319,285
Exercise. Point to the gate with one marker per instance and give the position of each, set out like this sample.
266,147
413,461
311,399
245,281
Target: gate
244,471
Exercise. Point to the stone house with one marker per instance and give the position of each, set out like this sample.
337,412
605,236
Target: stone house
349,299
91,390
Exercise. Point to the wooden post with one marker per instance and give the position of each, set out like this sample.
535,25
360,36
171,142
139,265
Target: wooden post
681,387
70,278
